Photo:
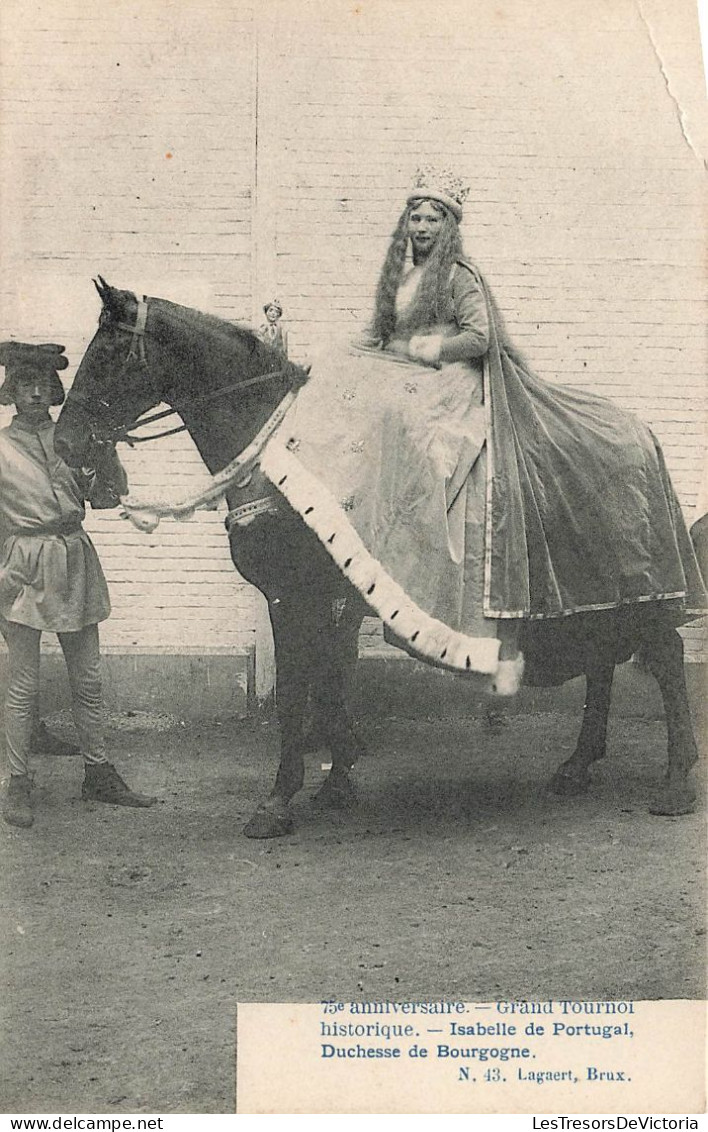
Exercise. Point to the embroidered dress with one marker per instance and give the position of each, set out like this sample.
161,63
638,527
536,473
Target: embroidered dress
457,496
398,448
50,575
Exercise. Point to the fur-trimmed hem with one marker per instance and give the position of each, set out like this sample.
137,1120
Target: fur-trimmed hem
432,640
508,677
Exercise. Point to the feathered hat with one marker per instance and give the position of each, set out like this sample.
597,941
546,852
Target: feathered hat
441,185
20,358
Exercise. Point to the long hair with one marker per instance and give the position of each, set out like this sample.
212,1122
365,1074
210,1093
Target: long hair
431,297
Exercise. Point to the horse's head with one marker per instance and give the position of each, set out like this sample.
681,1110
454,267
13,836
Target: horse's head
146,352
113,385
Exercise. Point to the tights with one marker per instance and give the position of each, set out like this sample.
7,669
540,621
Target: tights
82,656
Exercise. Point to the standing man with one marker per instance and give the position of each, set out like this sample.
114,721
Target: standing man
50,579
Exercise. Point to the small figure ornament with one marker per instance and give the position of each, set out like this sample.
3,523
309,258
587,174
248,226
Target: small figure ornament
271,331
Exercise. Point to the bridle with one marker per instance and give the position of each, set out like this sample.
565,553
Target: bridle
137,353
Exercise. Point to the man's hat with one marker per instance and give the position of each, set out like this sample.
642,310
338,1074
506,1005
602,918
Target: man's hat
20,358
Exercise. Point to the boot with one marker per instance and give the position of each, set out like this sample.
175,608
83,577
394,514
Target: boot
17,808
102,783
43,742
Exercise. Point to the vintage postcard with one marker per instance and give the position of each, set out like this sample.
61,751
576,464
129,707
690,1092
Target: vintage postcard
353,514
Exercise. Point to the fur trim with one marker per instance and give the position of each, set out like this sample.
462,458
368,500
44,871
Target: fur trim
508,677
440,196
426,348
429,638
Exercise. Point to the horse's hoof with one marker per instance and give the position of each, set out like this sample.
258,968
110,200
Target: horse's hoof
568,782
268,823
339,795
674,802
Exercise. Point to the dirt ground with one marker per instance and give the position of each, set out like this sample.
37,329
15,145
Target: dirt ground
128,937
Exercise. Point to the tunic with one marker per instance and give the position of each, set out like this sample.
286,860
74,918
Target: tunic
50,575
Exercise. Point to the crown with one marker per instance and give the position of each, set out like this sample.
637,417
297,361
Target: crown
442,185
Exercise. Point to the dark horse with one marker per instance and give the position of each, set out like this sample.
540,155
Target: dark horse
225,384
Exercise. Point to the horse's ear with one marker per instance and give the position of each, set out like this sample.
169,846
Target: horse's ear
103,289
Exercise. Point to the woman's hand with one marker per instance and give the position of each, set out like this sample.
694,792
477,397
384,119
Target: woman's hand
398,346
425,348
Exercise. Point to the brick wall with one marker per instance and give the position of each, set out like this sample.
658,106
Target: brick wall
585,208
131,134
128,134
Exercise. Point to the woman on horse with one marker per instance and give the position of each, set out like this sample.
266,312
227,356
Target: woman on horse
431,308
495,500
50,578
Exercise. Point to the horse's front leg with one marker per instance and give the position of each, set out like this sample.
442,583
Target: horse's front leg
293,639
573,776
664,658
337,656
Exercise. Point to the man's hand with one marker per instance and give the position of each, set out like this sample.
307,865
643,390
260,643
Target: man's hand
109,481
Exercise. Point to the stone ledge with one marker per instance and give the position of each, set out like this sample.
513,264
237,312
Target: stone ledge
195,683
189,683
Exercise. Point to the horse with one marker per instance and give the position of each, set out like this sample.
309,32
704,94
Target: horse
227,386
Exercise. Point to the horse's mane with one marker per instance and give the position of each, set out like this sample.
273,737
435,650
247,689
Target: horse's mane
187,318
217,336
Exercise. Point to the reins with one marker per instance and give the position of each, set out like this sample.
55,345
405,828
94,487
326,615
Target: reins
124,433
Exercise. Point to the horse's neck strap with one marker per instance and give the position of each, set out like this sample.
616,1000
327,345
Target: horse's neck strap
137,346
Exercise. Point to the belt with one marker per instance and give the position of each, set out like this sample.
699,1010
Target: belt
70,527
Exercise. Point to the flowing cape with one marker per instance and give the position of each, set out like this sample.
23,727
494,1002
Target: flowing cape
581,514
383,458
